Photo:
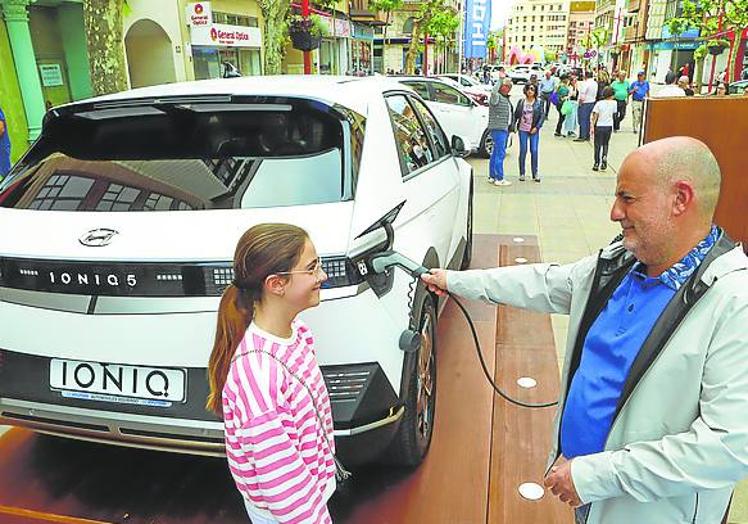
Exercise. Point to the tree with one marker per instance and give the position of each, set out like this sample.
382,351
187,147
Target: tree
103,20
387,7
275,30
713,19
494,43
443,27
596,39
427,11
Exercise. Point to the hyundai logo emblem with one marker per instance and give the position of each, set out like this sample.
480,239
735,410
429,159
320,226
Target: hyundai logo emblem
98,237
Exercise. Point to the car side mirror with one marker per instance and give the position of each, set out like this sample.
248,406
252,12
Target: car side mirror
458,147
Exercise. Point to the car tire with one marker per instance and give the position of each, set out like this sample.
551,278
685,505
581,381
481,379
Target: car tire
486,144
467,256
413,438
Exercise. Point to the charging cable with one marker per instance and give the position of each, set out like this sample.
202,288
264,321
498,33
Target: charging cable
483,365
385,260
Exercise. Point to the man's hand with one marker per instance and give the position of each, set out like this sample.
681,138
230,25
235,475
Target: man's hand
561,484
436,281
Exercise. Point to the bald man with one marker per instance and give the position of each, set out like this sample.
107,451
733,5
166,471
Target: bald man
652,425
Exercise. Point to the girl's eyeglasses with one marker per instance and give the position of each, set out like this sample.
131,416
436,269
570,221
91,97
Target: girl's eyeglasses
316,270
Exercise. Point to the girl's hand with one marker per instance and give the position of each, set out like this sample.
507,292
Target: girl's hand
533,130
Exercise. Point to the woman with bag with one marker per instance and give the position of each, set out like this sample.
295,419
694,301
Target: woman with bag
265,381
562,95
528,119
569,109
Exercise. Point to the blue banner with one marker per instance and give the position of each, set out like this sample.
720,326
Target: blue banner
477,21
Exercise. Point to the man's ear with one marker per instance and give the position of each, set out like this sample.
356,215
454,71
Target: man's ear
684,196
276,285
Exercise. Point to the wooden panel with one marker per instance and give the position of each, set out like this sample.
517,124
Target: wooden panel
522,437
722,124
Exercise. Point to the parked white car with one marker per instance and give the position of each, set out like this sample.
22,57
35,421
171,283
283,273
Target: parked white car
122,221
522,73
456,111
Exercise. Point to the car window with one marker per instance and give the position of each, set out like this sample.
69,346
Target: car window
174,157
412,144
438,139
421,88
448,95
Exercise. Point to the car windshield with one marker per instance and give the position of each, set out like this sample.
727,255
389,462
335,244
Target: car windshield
189,156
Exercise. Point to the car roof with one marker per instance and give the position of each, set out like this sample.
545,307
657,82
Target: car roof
351,92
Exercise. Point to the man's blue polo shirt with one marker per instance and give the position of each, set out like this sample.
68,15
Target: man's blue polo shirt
612,343
641,90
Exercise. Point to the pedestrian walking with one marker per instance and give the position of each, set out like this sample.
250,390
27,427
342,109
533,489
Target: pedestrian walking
562,96
650,425
587,98
639,91
265,381
603,120
500,116
603,81
547,87
528,119
570,109
4,146
621,88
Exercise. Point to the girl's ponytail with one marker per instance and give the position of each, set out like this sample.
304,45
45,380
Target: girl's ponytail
234,316
263,250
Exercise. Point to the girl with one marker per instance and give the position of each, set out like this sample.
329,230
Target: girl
571,120
602,127
265,381
528,119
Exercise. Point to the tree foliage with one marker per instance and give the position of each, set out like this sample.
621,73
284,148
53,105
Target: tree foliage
275,30
387,7
429,19
713,19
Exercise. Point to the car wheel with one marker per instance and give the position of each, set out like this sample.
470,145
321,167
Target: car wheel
486,144
467,257
413,438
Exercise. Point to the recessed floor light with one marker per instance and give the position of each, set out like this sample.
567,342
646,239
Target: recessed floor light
527,382
531,491
520,260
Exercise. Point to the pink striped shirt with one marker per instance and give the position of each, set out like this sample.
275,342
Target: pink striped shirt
277,451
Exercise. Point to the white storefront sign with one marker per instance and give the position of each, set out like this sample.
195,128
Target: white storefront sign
336,27
224,35
51,75
199,14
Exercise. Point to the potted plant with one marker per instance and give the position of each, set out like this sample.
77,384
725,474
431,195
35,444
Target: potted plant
717,46
306,33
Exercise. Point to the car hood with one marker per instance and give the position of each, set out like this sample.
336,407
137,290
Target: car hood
163,236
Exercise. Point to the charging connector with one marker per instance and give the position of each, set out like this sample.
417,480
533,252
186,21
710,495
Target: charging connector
409,340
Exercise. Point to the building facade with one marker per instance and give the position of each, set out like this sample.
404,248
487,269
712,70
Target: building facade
581,23
542,25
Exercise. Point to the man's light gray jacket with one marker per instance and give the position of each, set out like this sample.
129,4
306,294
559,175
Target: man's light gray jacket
679,442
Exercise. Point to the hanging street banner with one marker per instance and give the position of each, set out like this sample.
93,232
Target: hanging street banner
477,20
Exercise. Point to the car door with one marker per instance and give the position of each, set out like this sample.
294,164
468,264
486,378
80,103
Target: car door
456,112
430,176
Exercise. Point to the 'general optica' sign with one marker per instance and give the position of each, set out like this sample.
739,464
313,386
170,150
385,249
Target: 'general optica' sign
199,14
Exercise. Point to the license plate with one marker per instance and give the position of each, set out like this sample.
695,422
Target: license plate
96,381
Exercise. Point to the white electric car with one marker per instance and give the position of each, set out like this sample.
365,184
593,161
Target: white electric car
118,233
457,113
